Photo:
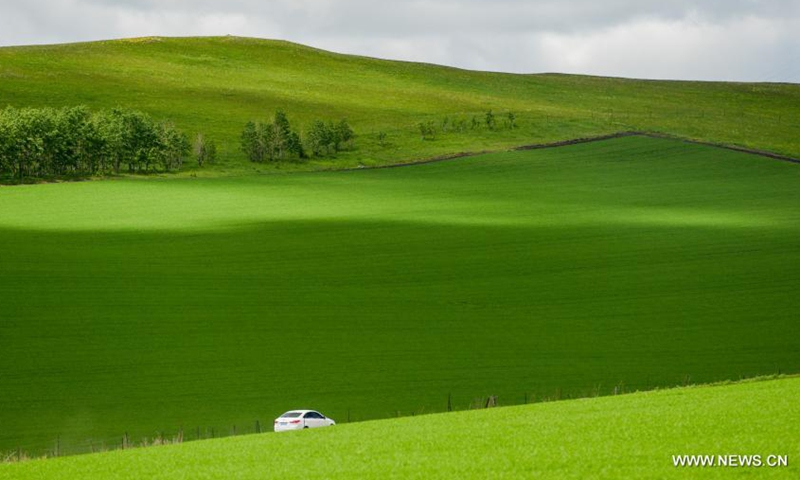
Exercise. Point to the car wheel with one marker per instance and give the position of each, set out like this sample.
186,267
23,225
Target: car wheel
305,428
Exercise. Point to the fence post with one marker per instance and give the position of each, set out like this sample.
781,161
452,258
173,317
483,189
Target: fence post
258,426
449,402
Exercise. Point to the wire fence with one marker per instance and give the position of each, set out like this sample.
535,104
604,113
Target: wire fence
59,446
125,441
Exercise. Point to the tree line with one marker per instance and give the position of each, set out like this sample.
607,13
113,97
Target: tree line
277,140
74,141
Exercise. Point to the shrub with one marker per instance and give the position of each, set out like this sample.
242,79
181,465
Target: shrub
427,130
512,120
326,138
490,120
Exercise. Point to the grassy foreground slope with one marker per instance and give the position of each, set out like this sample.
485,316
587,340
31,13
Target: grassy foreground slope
147,306
215,85
631,436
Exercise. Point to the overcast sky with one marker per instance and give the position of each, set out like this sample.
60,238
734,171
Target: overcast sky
745,40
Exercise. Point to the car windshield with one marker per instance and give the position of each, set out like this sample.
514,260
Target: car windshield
291,415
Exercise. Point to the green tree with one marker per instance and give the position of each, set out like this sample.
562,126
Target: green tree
319,138
5,145
343,135
295,145
76,141
205,150
173,146
26,146
252,142
8,142
281,136
110,128
130,137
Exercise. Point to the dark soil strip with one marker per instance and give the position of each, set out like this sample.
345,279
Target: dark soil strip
667,136
535,146
576,141
735,148
411,163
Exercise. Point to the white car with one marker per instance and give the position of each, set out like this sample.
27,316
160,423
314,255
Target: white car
300,419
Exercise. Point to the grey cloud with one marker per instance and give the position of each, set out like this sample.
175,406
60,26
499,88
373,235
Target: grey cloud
365,16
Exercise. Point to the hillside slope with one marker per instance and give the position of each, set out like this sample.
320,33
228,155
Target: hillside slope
144,306
215,85
631,436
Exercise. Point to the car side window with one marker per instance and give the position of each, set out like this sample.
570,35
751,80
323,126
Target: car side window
313,415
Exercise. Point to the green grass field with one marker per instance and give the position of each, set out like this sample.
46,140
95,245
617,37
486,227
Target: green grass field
215,85
149,306
631,436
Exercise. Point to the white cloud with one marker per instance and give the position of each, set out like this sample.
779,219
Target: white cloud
749,48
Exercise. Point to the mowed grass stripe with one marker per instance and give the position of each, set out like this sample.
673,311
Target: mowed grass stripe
630,436
150,306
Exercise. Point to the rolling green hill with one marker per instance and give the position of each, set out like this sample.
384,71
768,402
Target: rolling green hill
631,436
215,85
149,306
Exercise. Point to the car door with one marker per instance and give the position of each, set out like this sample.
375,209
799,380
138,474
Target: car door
314,419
